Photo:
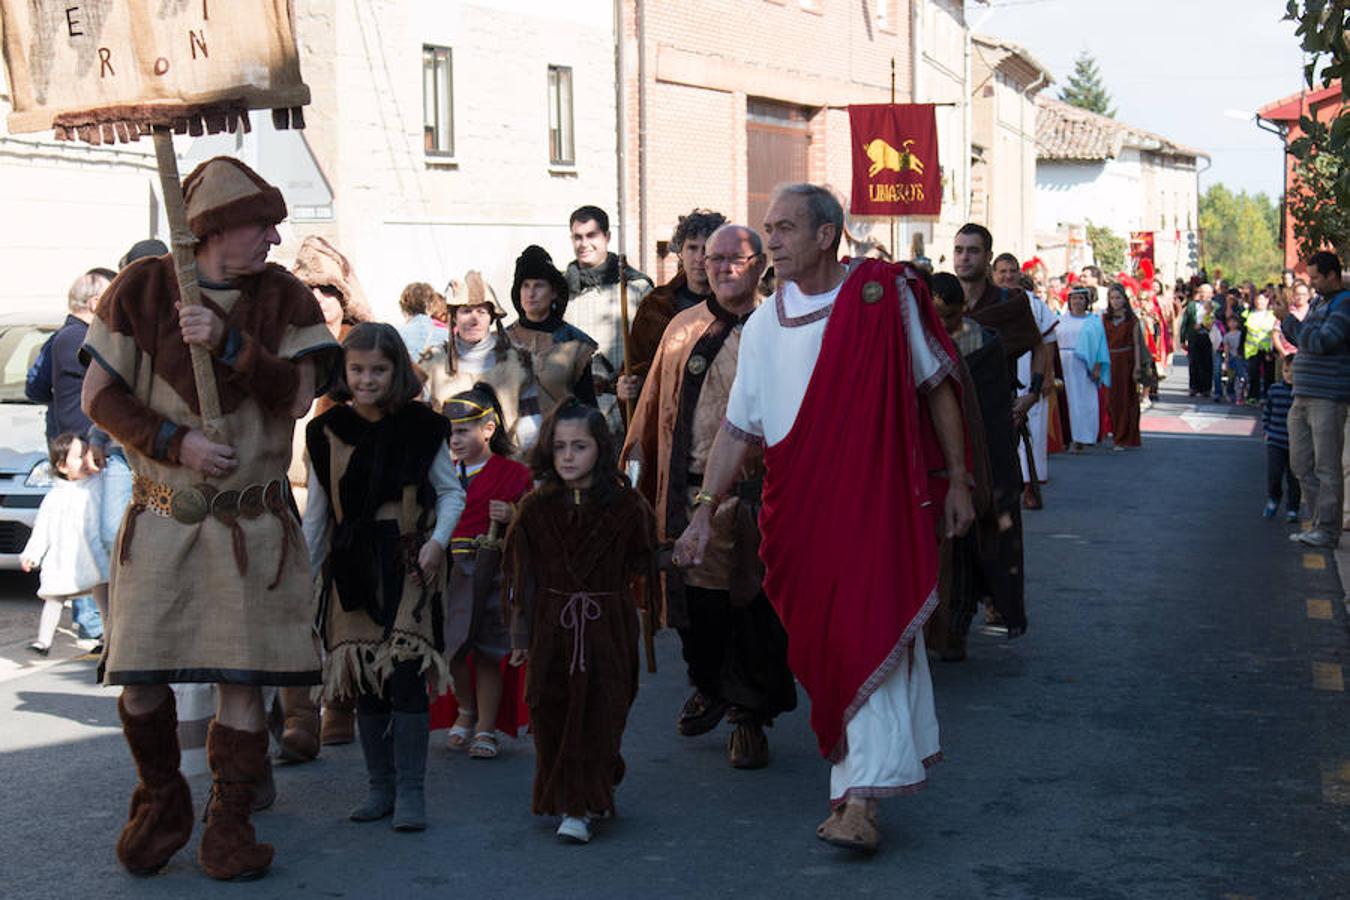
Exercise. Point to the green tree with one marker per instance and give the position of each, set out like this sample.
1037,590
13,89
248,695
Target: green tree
1085,88
1108,248
1241,235
1320,191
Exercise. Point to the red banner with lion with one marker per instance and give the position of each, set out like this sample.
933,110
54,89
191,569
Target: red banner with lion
895,160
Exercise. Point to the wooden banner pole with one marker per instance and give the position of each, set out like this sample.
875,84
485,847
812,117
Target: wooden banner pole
183,244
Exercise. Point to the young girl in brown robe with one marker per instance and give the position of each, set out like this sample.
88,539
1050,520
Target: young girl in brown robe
577,544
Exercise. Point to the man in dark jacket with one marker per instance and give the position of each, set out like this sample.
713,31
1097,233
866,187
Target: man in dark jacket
687,289
58,376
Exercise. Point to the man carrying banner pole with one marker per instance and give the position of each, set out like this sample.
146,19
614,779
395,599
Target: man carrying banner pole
210,582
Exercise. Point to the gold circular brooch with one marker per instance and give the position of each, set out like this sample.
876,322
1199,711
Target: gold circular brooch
872,292
697,365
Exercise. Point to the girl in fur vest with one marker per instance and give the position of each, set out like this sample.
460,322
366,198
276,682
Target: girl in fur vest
577,545
383,501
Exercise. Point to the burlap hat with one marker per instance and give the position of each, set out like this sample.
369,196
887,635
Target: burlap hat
320,264
474,291
223,192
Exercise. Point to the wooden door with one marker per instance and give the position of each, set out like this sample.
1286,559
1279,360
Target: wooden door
778,141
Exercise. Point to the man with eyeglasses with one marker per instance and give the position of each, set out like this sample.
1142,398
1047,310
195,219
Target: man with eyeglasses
846,379
733,643
687,289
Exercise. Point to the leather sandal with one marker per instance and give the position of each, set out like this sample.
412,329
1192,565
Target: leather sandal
852,827
700,714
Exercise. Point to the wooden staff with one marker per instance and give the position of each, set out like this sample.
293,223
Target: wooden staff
184,243
623,318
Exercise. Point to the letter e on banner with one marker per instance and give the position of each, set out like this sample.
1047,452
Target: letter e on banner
895,160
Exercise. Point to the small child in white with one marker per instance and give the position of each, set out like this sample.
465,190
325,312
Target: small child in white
66,542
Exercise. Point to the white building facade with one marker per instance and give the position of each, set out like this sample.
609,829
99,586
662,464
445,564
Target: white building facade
1092,169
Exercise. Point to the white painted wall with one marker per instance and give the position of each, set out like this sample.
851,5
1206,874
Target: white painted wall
67,208
402,216
1135,192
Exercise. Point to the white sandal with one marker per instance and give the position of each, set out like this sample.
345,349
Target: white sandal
460,735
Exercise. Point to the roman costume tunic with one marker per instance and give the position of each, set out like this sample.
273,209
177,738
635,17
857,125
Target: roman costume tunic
571,563
1123,395
216,590
986,562
475,619
834,385
1076,347
683,403
1038,417
377,492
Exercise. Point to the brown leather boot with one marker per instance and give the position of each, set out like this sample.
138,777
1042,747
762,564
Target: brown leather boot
339,721
160,820
229,848
300,736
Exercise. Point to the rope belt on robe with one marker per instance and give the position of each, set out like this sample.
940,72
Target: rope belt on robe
581,607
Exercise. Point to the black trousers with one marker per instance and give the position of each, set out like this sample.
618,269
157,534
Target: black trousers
1260,374
1200,363
1279,474
404,692
738,654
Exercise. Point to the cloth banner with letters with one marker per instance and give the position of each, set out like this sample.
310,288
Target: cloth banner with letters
895,160
111,70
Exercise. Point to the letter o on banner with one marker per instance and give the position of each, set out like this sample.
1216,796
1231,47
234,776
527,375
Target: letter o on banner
161,66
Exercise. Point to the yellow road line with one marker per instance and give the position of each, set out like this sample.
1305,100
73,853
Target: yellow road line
1328,677
1336,783
1315,561
1319,609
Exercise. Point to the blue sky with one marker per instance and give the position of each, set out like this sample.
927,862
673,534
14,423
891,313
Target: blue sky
1174,67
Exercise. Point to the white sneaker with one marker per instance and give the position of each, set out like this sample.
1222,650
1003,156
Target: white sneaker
574,830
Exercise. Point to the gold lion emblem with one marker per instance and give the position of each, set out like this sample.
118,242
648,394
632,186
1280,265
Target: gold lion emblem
884,156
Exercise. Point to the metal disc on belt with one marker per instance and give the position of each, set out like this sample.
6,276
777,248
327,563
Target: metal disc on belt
225,506
272,498
251,502
188,506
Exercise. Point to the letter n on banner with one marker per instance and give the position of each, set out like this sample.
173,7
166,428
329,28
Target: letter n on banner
895,160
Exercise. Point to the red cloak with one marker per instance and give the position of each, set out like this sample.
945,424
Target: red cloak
849,540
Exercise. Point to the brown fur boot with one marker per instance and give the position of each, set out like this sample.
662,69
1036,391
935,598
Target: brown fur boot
339,721
160,820
229,848
300,739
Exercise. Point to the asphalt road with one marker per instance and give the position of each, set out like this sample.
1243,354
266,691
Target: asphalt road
1173,725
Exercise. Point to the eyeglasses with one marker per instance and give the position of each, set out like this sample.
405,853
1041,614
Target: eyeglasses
734,262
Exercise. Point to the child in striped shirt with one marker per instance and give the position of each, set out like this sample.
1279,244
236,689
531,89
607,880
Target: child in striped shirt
1275,426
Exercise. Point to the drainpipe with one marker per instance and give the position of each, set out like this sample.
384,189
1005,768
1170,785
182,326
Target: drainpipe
968,116
621,130
641,14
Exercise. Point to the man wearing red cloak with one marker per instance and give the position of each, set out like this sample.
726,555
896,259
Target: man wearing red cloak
848,380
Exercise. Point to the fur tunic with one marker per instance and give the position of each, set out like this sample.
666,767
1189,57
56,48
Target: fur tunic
221,600
570,569
375,609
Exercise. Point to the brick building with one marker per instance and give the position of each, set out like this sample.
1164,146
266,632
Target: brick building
717,114
1322,105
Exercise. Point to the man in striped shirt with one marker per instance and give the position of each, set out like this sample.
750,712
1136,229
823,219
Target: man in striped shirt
1321,397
